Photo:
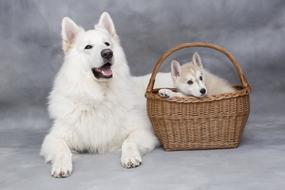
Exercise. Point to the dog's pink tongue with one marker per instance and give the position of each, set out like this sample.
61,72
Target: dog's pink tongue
107,72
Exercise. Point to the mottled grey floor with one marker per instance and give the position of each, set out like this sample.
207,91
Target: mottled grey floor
259,162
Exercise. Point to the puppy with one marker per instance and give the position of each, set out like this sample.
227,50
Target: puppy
192,79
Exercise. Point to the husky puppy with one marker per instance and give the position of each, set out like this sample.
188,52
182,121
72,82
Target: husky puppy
191,79
93,103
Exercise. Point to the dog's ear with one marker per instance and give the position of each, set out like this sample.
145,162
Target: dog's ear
69,31
175,69
196,60
107,23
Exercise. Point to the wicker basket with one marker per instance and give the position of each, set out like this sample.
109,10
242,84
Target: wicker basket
199,123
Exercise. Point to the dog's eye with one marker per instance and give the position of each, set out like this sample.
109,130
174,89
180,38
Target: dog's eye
88,47
107,43
201,78
190,82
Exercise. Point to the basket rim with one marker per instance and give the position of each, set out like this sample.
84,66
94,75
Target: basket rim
191,99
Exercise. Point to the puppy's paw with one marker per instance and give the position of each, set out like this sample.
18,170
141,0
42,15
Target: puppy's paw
131,160
165,93
61,169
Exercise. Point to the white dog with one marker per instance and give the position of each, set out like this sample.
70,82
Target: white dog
94,103
192,79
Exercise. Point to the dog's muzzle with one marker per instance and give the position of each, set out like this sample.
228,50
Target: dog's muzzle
105,71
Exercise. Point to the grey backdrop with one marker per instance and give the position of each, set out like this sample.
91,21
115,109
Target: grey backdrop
30,54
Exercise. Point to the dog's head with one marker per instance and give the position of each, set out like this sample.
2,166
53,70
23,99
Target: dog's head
189,78
94,49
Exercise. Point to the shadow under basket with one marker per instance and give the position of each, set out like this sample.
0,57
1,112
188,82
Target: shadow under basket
213,122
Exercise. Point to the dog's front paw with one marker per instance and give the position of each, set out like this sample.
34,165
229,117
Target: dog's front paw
61,169
165,93
131,160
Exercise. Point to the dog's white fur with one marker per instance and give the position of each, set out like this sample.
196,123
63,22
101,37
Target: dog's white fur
190,78
95,115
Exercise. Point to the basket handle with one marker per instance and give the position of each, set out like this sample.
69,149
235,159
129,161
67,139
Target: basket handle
191,45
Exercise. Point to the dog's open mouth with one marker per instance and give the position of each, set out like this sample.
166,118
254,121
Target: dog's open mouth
103,72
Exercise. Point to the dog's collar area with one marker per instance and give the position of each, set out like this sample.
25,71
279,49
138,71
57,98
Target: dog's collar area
103,72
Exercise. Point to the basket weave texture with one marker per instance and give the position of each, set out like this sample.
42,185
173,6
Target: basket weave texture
212,122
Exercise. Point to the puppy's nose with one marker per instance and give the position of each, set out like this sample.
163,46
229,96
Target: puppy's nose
107,53
203,91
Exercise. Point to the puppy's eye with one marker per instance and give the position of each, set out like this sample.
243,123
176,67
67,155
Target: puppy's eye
190,82
88,47
201,78
107,43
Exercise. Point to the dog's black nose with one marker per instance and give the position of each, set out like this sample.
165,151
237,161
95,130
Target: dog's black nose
107,53
203,91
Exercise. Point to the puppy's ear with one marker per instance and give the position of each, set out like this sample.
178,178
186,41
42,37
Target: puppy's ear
106,23
69,31
196,60
175,69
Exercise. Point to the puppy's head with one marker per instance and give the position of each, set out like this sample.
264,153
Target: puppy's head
93,50
189,78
